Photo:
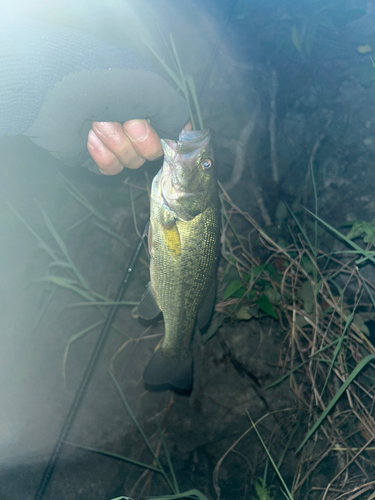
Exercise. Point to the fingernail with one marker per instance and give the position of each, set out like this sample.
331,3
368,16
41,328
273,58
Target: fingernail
136,130
104,128
94,141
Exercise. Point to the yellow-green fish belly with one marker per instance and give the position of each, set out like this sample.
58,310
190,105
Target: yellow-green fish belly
183,264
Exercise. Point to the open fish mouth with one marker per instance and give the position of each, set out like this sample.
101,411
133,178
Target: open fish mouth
189,142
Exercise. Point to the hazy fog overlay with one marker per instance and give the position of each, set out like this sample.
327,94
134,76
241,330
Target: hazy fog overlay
287,90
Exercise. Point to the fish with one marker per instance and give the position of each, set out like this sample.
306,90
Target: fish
183,243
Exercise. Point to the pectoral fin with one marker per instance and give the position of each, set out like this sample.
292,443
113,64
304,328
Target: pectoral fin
169,372
205,311
148,307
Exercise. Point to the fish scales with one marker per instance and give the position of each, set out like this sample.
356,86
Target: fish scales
182,280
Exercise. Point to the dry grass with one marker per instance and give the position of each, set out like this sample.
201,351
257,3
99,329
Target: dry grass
322,303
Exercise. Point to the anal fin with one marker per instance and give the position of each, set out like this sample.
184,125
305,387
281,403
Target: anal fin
148,307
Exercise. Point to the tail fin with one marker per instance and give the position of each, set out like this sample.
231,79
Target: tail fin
164,372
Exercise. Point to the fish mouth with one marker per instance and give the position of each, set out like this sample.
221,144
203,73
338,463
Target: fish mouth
189,143
191,140
180,157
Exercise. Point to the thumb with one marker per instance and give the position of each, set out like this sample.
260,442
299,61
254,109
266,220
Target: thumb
145,140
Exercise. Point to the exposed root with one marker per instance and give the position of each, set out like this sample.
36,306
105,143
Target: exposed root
241,149
272,125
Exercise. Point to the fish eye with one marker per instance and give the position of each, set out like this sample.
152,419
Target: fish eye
206,164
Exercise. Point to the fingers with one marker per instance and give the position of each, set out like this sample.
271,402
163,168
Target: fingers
145,140
107,162
114,146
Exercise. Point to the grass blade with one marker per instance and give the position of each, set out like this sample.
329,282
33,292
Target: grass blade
62,245
112,233
181,77
288,494
171,469
337,350
135,422
193,494
107,303
184,83
349,320
42,244
72,285
361,251
337,396
114,455
78,223
72,339
281,379
165,66
303,232
77,195
193,93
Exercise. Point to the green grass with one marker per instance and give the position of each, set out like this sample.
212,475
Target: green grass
183,83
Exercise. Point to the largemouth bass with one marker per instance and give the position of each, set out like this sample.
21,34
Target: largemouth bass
183,243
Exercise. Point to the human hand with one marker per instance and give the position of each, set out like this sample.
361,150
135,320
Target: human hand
113,146
63,101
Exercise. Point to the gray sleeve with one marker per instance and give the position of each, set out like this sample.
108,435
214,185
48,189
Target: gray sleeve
55,81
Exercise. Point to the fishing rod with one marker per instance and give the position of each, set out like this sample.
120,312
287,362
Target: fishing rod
77,401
